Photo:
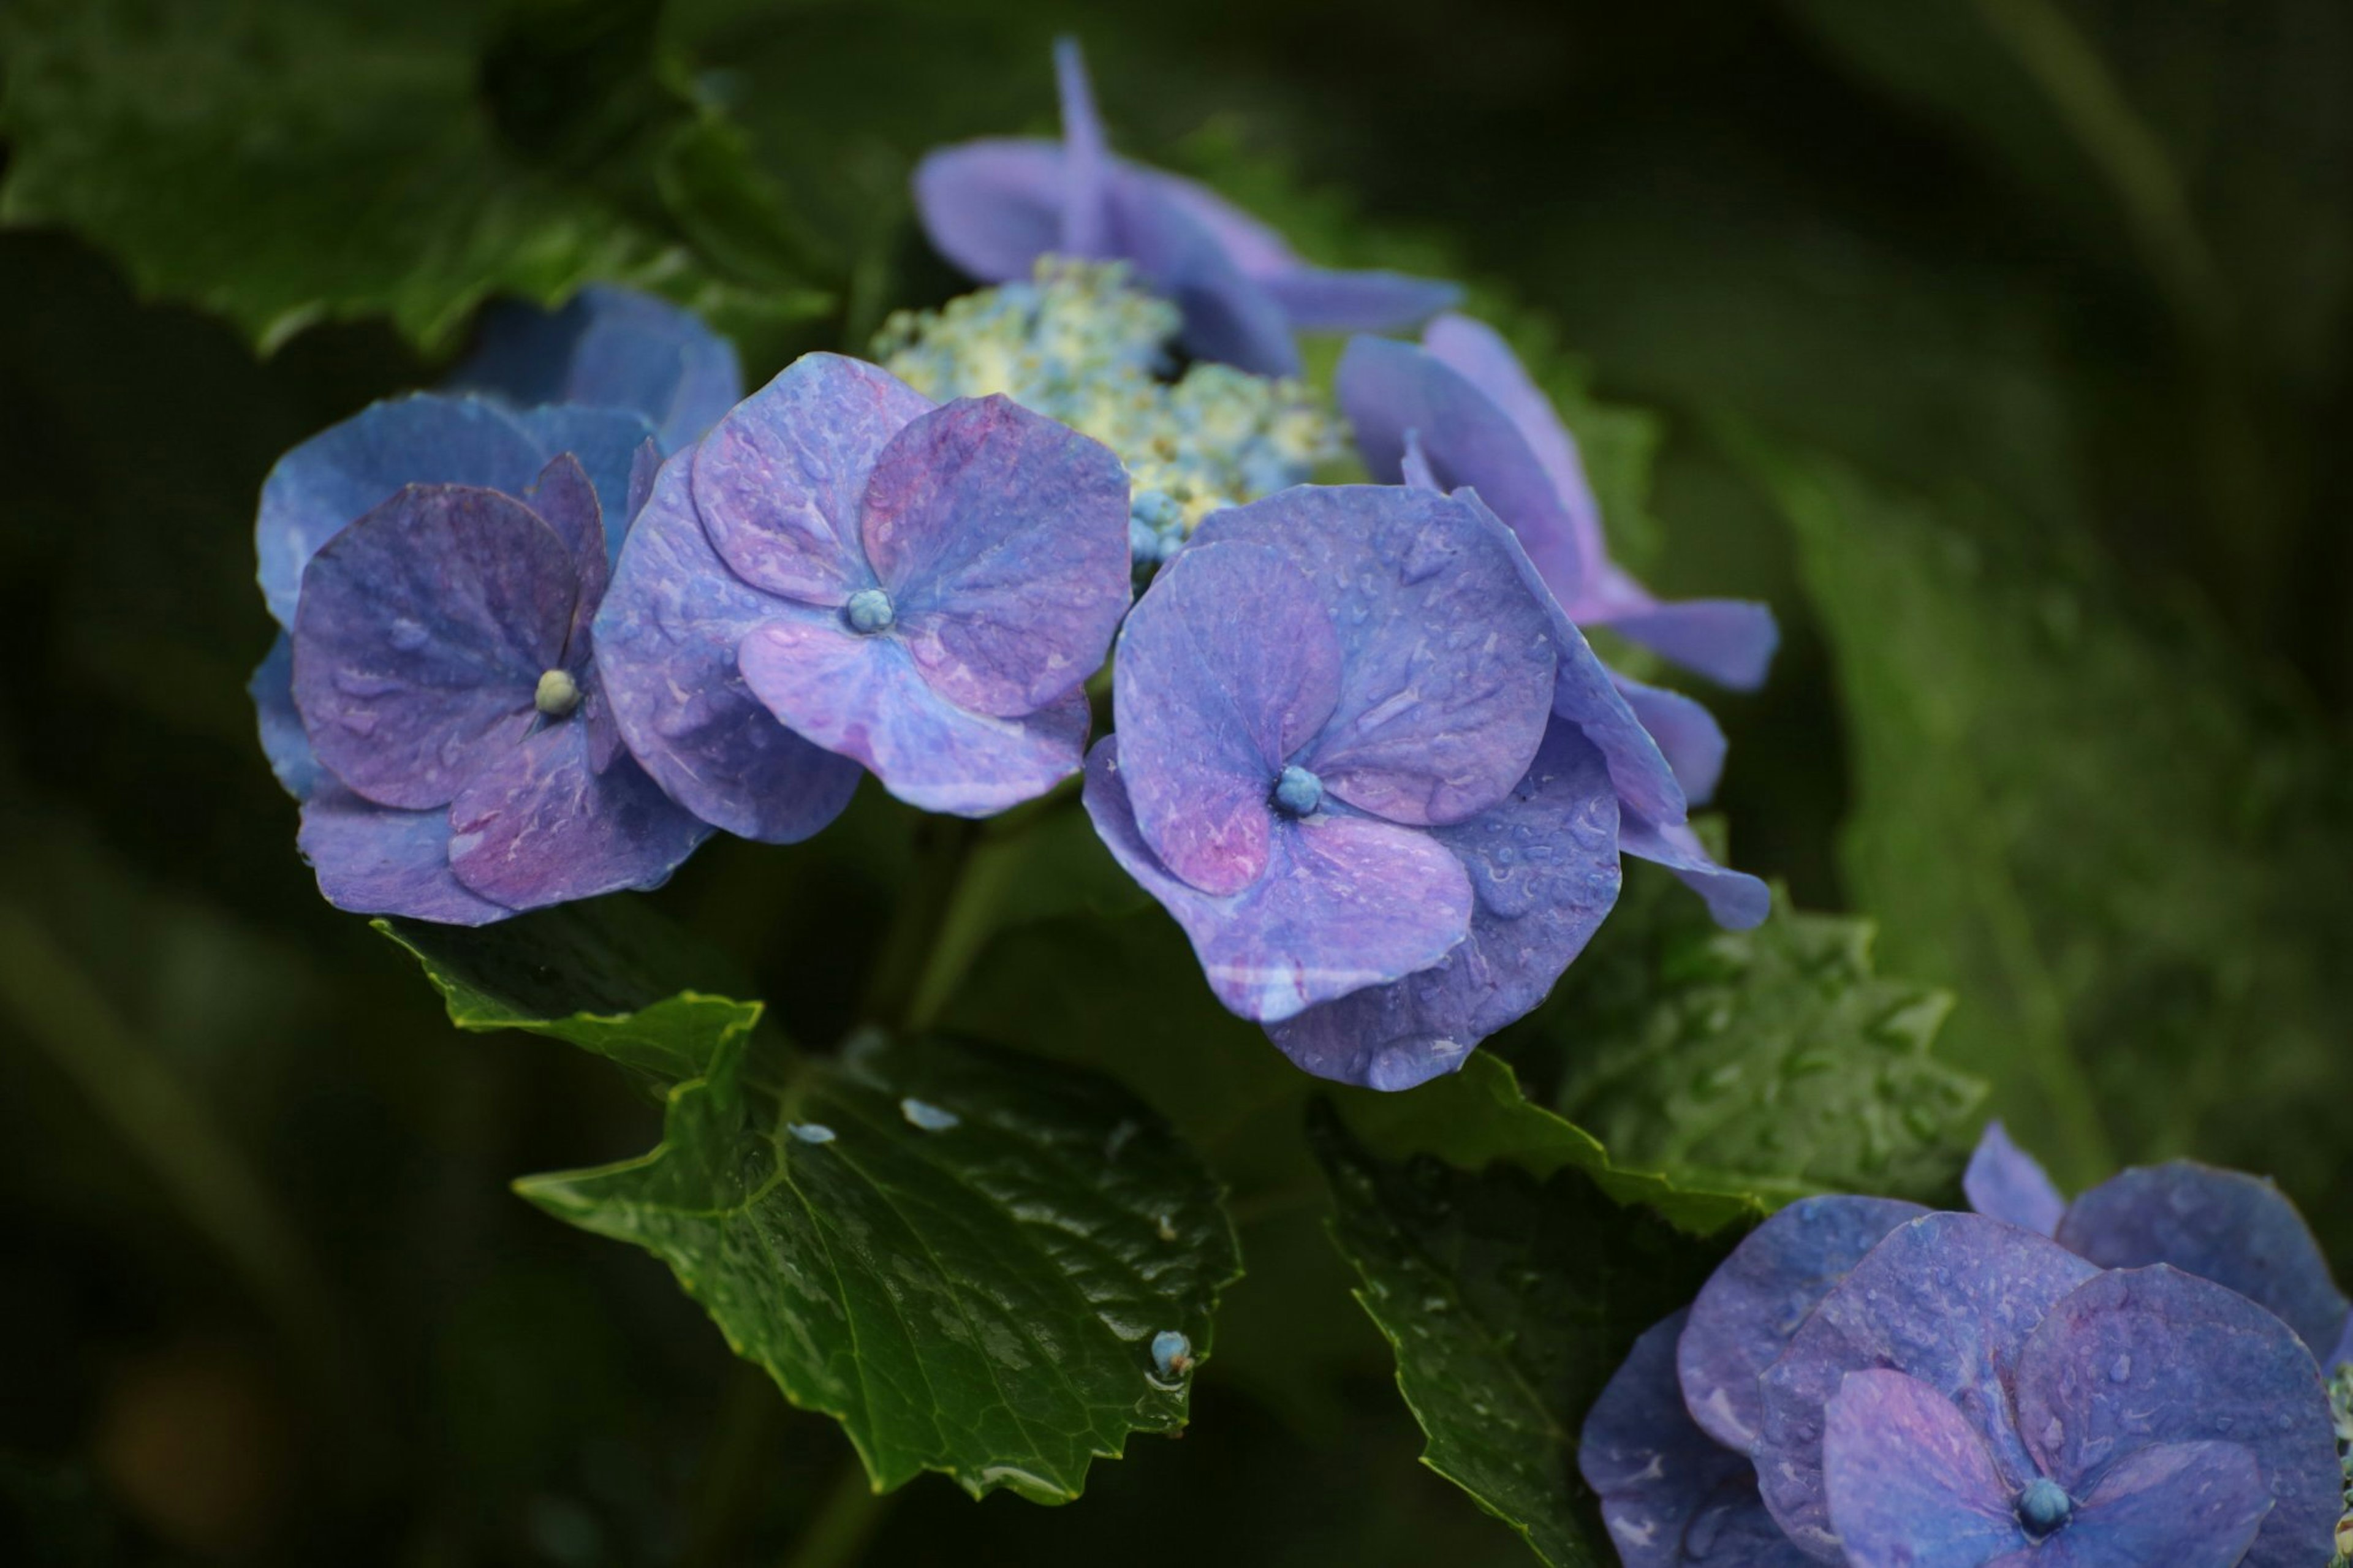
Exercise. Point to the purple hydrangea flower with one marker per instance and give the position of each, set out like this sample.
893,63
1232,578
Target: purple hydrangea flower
2235,1229
994,207
842,573
467,765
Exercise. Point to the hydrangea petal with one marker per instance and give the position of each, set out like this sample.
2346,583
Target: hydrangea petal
422,630
2006,1183
1001,537
566,502
1229,317
2224,1225
1730,641
864,698
1322,299
2149,1355
606,441
609,347
665,641
2186,1505
1086,157
992,207
1544,874
539,825
381,860
1653,1469
779,482
1228,664
1347,902
1736,901
1743,1316
1947,1298
1687,733
1909,1481
283,739
1478,354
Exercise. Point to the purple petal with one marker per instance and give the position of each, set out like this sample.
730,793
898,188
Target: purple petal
1909,1481
283,739
665,643
1086,157
2142,1356
1745,1314
1544,874
1653,1470
992,207
1413,468
606,441
1256,247
1228,666
321,486
2224,1226
779,483
1737,900
610,348
1730,641
1687,734
539,825
380,860
1001,537
566,502
2006,1183
1345,902
2186,1505
1447,659
1387,388
1478,354
422,631
864,698
1228,316
1947,1298
1320,299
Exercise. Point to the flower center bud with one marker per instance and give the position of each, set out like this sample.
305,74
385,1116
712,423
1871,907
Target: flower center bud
869,611
557,693
2043,1506
1298,791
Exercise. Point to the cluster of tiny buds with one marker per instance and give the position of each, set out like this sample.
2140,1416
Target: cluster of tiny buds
2340,1405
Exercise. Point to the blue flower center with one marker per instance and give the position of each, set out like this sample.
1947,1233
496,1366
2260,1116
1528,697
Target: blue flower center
1298,791
557,694
869,611
2043,1507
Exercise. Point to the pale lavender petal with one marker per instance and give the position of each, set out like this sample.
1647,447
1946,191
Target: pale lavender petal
606,441
566,502
1001,538
1322,299
2185,1505
863,698
381,860
2224,1225
1947,1298
1413,468
422,631
283,739
779,482
665,645
1544,874
1730,641
1228,666
1638,1451
2139,1356
539,825
1347,902
1909,1481
321,486
608,347
1736,901
1745,1314
2006,1183
1228,316
1258,248
1478,354
1086,157
992,207
1687,733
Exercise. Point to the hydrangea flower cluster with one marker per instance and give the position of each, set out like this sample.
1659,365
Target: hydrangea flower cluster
1865,1382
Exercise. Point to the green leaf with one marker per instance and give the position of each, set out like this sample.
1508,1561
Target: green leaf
976,1294
1776,1057
1508,1300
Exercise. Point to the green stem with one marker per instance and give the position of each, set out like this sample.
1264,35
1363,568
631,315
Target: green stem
845,1522
943,844
735,1468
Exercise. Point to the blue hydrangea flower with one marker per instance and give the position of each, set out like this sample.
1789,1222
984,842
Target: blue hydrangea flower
468,766
994,206
2225,1225
842,573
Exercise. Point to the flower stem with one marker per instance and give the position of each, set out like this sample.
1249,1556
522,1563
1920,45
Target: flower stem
944,845
844,1522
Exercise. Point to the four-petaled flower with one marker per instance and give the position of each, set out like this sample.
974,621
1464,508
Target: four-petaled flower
994,207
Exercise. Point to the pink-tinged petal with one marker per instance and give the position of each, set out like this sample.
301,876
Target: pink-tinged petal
2006,1183
1730,641
2140,1356
1909,1480
566,502
381,860
1321,299
863,696
1745,1314
1948,1298
1544,874
1001,538
541,827
2224,1225
1086,157
1687,733
422,631
2185,1505
1228,665
779,481
1736,901
1478,354
1345,903
1387,388
665,646
1228,316
992,207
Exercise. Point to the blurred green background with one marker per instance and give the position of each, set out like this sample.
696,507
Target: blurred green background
2003,345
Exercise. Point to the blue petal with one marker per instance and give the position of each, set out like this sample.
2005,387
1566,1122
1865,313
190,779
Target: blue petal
1086,157
1736,901
1730,641
381,860
1228,316
608,348
1321,299
2006,1183
539,825
992,207
283,739
2186,1505
1909,1481
1687,734
606,442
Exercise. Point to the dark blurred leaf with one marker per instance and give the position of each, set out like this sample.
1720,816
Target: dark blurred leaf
961,1254
1509,1302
